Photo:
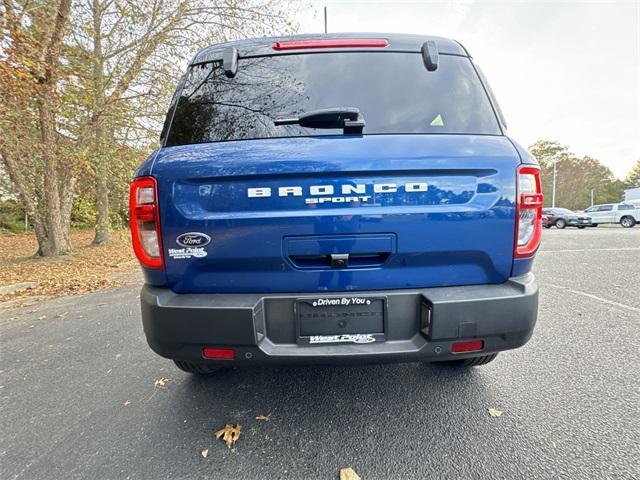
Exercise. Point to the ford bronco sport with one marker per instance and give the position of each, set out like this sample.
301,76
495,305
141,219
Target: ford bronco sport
335,199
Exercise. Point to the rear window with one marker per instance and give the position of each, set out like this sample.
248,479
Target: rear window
625,207
394,92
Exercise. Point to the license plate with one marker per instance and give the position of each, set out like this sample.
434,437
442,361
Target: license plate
340,320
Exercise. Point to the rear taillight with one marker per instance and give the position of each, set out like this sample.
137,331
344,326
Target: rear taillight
528,211
144,222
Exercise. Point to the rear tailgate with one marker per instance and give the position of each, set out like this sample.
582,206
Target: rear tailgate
410,210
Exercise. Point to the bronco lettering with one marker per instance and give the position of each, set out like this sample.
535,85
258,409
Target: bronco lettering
321,190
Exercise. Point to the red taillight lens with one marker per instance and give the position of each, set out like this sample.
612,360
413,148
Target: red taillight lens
528,211
331,43
471,346
144,222
219,353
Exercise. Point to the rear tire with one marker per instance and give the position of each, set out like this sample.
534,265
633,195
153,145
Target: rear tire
197,368
561,224
472,362
581,227
628,222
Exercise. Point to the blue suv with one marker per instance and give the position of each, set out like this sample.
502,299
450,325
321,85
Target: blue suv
335,199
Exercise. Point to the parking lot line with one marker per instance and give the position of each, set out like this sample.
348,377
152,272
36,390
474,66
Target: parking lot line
600,299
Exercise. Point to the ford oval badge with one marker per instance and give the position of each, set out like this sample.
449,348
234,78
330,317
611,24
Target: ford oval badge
193,239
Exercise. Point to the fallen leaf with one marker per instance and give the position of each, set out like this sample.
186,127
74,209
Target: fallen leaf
42,317
161,382
494,413
263,417
63,314
126,402
88,269
348,474
553,444
229,434
205,453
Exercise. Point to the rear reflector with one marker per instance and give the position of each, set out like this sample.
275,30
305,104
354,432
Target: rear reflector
472,346
219,353
331,43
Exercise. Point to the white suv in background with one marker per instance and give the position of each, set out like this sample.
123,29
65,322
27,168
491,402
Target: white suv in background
625,214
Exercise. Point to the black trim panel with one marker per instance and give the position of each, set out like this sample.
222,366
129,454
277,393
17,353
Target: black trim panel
262,328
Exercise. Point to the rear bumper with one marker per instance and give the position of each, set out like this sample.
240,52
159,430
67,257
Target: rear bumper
261,328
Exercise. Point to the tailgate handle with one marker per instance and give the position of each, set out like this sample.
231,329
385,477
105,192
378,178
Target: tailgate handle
339,251
339,260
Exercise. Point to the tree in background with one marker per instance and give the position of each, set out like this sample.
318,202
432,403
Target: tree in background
34,149
575,177
84,86
633,178
133,52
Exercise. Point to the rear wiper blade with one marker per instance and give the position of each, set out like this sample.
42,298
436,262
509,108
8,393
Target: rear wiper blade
347,118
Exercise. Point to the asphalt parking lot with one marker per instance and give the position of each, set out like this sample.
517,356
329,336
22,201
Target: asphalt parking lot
78,398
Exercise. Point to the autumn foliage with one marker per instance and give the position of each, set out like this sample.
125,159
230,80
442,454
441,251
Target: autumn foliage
85,270
85,85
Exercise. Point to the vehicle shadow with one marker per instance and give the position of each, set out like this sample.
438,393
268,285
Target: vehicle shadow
323,386
360,399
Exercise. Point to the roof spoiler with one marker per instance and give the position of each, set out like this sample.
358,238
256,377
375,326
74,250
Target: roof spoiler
430,55
230,61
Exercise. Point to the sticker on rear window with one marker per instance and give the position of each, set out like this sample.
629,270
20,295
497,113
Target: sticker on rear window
437,122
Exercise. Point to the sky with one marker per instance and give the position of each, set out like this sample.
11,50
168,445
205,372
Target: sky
567,71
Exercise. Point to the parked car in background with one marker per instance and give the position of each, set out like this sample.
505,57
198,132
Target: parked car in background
563,217
626,214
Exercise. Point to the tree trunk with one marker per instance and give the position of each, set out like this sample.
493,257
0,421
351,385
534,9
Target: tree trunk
103,222
66,202
45,246
56,241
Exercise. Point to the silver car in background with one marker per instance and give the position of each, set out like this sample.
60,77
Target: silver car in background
626,214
